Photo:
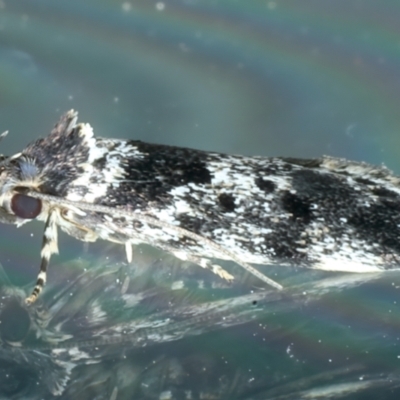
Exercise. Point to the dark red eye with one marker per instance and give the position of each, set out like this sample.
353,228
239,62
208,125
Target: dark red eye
25,206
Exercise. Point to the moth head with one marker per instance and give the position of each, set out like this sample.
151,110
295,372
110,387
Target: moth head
33,169
18,176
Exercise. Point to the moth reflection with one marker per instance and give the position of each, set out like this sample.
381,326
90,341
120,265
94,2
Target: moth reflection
113,332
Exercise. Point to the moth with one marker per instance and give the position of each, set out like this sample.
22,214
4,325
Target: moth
325,213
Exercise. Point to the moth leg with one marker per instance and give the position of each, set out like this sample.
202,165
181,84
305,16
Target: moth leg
75,229
128,251
49,247
204,263
216,269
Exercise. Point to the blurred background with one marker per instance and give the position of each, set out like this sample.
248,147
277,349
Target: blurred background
296,78
299,78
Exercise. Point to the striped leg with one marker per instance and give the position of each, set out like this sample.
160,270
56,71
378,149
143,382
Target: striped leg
203,262
214,268
49,247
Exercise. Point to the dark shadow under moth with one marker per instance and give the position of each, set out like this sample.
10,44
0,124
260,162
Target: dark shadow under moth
326,213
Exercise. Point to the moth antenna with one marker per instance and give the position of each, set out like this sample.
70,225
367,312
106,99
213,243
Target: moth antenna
49,247
153,221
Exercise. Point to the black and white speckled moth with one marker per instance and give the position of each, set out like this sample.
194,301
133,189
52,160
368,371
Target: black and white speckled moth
325,213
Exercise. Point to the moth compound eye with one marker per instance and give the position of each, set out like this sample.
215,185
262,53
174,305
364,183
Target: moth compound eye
25,206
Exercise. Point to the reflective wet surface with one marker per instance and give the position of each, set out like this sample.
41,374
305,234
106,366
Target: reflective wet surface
166,331
289,78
